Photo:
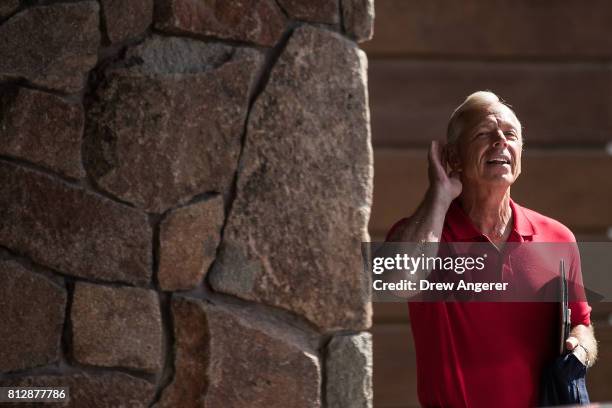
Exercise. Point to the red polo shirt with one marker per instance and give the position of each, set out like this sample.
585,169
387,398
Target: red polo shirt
476,354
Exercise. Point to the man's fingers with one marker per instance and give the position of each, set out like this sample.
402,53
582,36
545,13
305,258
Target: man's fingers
571,343
433,147
435,156
444,157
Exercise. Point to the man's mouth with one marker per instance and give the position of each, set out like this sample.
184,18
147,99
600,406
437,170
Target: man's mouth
499,161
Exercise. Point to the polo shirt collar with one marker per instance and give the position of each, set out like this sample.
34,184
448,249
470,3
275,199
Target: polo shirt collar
464,230
522,224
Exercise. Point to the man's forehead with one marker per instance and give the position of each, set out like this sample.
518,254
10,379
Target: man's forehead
502,120
492,114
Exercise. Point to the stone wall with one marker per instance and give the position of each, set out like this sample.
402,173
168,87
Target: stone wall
184,187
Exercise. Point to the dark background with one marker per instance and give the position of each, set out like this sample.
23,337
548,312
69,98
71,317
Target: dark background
551,60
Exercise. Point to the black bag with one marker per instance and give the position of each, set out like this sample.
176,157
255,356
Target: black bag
563,381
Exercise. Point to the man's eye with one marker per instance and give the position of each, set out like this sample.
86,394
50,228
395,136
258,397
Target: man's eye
511,135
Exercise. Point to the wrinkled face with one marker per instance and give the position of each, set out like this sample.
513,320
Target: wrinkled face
489,148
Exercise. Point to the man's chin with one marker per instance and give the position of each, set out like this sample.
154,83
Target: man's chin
500,180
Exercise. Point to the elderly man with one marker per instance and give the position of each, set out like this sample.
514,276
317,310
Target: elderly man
484,354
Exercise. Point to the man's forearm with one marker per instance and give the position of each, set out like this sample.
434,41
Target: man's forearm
424,228
426,224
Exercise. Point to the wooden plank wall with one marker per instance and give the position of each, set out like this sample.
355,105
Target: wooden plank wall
550,60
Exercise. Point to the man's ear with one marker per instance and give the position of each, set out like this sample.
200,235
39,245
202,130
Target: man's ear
452,157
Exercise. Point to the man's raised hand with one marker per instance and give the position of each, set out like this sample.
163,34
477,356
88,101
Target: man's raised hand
444,184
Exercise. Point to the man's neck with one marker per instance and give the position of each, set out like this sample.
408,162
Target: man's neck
489,211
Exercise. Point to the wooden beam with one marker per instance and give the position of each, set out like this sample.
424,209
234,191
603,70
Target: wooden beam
558,104
394,366
492,28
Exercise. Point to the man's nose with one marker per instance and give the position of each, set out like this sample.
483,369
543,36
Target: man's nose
500,139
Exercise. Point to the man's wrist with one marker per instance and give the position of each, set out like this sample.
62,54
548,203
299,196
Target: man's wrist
582,353
438,199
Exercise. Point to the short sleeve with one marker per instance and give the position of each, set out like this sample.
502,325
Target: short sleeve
581,311
395,227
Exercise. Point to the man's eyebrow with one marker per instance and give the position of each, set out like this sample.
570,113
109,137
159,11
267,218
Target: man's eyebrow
509,124
486,125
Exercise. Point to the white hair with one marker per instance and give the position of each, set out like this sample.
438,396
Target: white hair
476,101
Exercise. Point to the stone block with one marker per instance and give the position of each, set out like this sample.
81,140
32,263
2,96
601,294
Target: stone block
227,357
293,237
51,46
169,128
42,128
8,7
116,327
32,309
191,355
72,230
349,371
256,21
125,19
189,237
358,19
315,11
